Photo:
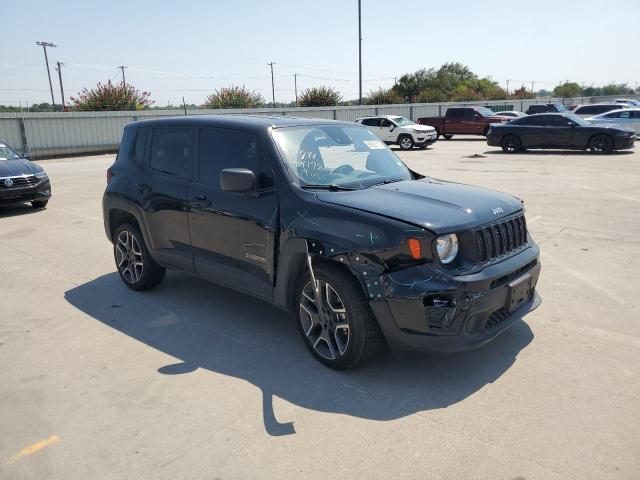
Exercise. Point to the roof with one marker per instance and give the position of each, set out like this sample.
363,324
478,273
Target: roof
252,122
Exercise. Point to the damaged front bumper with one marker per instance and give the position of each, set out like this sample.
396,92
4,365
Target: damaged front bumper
424,308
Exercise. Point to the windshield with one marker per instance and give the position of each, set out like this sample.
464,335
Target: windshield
485,111
579,120
7,153
402,121
561,108
338,155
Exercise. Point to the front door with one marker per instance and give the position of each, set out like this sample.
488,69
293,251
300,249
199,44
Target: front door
233,233
388,131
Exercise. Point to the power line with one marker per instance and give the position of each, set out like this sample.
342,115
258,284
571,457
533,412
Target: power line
44,46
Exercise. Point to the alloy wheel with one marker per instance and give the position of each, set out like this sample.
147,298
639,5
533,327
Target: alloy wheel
511,144
324,320
129,257
406,143
601,144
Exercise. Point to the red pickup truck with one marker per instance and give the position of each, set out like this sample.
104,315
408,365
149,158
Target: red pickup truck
464,121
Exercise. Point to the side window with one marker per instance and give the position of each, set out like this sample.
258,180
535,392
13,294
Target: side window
469,113
635,114
220,148
383,122
171,151
371,122
140,144
455,113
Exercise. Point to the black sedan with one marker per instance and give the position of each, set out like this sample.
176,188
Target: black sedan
22,180
558,130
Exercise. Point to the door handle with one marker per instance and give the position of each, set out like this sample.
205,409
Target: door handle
143,187
201,201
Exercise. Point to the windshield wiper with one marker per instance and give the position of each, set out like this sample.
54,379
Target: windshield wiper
331,187
386,181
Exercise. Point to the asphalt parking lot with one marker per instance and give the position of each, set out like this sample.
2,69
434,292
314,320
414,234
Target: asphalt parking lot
192,380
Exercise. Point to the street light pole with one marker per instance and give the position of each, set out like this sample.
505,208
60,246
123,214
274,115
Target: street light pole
295,86
360,51
59,69
44,46
124,81
273,88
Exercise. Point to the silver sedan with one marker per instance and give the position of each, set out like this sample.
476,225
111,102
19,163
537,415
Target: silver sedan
625,117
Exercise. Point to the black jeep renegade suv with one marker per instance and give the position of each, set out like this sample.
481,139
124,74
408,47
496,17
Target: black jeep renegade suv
322,219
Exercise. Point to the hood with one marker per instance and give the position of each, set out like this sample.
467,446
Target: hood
499,118
442,207
422,128
22,166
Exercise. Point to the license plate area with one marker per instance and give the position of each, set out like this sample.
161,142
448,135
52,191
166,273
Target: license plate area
519,292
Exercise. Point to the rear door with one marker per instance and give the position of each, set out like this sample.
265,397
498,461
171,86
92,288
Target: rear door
161,189
533,132
454,121
232,233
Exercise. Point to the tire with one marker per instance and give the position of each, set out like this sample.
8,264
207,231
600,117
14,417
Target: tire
511,143
405,142
129,249
347,334
601,143
448,136
39,203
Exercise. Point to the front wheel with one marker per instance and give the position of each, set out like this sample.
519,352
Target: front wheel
135,266
335,320
511,144
601,144
406,142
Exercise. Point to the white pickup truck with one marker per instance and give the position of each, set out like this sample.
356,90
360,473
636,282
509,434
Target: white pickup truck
394,129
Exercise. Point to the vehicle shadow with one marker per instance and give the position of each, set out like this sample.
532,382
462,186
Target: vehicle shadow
15,210
211,327
566,153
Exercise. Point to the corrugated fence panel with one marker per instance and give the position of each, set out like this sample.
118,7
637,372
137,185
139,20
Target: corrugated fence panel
68,133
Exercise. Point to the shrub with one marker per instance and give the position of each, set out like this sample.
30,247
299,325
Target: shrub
234,96
319,97
110,97
382,96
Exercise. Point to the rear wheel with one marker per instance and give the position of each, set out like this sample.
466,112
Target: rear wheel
335,320
601,144
406,142
135,266
448,136
511,143
39,203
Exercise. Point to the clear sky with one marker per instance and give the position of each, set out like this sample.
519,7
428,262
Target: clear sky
192,47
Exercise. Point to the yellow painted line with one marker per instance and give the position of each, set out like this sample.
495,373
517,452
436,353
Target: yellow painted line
31,449
534,219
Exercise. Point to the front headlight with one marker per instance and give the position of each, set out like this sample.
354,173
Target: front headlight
41,174
447,246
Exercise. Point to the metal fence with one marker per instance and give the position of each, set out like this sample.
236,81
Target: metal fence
54,134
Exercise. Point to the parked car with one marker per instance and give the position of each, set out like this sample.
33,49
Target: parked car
396,130
628,101
464,121
596,109
320,218
22,180
559,130
511,113
626,117
545,108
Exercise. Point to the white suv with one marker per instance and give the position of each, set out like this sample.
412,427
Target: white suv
392,129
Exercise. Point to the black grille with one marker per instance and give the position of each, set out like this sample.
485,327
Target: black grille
496,318
19,182
493,241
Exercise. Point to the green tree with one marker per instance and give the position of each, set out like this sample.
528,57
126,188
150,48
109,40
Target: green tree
110,97
319,97
567,90
234,97
382,96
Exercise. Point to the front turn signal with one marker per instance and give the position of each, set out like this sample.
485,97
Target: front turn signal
414,248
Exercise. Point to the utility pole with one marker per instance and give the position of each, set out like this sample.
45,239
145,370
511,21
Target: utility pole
124,81
273,88
395,80
295,86
59,69
533,82
508,86
44,46
360,51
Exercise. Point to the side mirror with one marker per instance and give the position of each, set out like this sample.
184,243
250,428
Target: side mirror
571,124
27,156
477,117
237,180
